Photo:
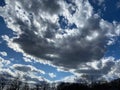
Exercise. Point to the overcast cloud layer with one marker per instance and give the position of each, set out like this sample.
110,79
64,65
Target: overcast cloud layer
39,33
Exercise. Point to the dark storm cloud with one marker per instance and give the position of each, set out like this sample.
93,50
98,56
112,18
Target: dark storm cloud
71,51
36,45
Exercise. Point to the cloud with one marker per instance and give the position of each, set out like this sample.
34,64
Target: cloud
107,69
10,43
4,63
3,53
41,6
69,79
99,2
38,33
4,70
26,59
73,79
31,78
118,4
7,73
114,73
27,68
96,70
24,72
52,75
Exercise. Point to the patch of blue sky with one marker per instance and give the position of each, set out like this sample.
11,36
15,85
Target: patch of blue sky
108,10
2,3
3,45
11,54
64,23
69,1
4,30
59,76
112,13
114,49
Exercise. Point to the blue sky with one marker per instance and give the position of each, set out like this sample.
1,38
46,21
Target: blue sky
109,9
61,40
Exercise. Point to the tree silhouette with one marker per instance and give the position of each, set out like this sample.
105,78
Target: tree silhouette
114,85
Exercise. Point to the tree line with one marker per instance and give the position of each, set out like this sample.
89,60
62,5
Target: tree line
17,84
113,85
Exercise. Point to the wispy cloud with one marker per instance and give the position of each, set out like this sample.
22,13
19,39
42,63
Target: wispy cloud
3,53
52,75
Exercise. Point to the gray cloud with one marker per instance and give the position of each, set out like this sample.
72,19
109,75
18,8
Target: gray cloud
95,74
39,6
97,70
22,68
73,49
27,68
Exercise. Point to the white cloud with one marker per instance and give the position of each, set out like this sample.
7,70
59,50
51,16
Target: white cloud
25,72
28,73
26,59
10,43
115,72
3,62
3,53
52,75
70,79
111,41
117,28
4,68
74,79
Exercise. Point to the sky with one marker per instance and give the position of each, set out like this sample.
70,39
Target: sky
62,40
